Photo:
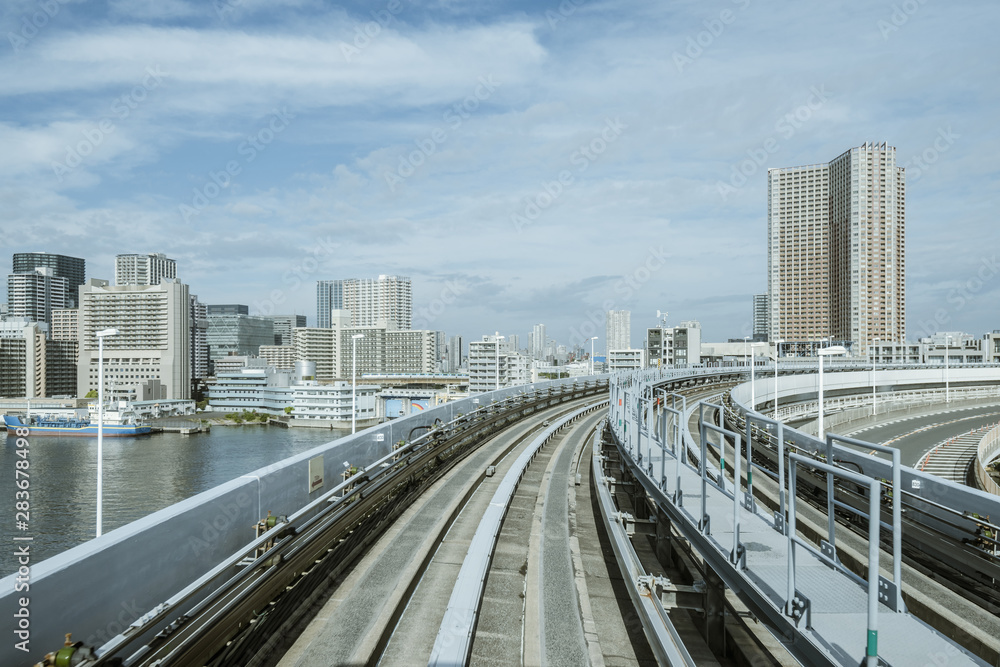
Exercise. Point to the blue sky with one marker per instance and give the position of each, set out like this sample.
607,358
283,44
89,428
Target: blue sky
522,162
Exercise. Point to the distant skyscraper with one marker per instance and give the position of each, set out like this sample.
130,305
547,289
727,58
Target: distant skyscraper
384,299
73,269
537,342
836,249
454,353
147,269
329,296
760,317
618,330
33,296
199,339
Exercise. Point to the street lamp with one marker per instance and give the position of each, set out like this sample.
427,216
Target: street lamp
101,335
825,352
354,380
947,344
753,393
592,354
499,338
777,353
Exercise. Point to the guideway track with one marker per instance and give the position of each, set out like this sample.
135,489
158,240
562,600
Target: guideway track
361,619
235,621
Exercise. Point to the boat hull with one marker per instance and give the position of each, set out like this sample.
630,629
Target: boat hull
88,431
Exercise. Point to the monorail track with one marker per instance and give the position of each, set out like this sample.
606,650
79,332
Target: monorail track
272,582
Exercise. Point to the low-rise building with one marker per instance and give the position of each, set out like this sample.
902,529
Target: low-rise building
312,404
620,361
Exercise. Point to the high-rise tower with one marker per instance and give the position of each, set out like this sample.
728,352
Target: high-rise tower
836,249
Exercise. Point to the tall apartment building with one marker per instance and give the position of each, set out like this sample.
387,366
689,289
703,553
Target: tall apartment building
618,330
147,269
33,296
384,299
836,249
200,358
283,326
318,345
536,342
150,357
759,321
454,354
487,364
73,269
329,297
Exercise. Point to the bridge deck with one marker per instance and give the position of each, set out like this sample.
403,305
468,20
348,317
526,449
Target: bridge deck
838,604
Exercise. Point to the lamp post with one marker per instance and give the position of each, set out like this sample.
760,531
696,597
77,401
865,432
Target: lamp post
499,338
592,354
101,335
753,393
777,353
947,344
354,380
825,352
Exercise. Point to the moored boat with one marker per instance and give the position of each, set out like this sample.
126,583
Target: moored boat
118,423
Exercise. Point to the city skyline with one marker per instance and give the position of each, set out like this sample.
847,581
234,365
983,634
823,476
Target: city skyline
492,179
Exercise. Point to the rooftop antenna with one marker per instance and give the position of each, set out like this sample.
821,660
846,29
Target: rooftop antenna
663,318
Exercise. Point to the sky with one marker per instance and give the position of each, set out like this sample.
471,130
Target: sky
522,162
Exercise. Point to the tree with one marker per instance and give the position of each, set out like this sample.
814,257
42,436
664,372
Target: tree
288,410
91,394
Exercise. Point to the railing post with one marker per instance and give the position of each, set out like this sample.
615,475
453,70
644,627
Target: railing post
703,522
874,526
897,530
830,516
736,556
779,520
790,593
663,444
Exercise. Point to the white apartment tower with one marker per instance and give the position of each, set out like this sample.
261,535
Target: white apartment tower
147,269
536,342
487,364
385,299
836,249
150,357
618,330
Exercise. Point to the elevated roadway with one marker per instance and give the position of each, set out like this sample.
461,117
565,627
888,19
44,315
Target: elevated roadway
543,593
